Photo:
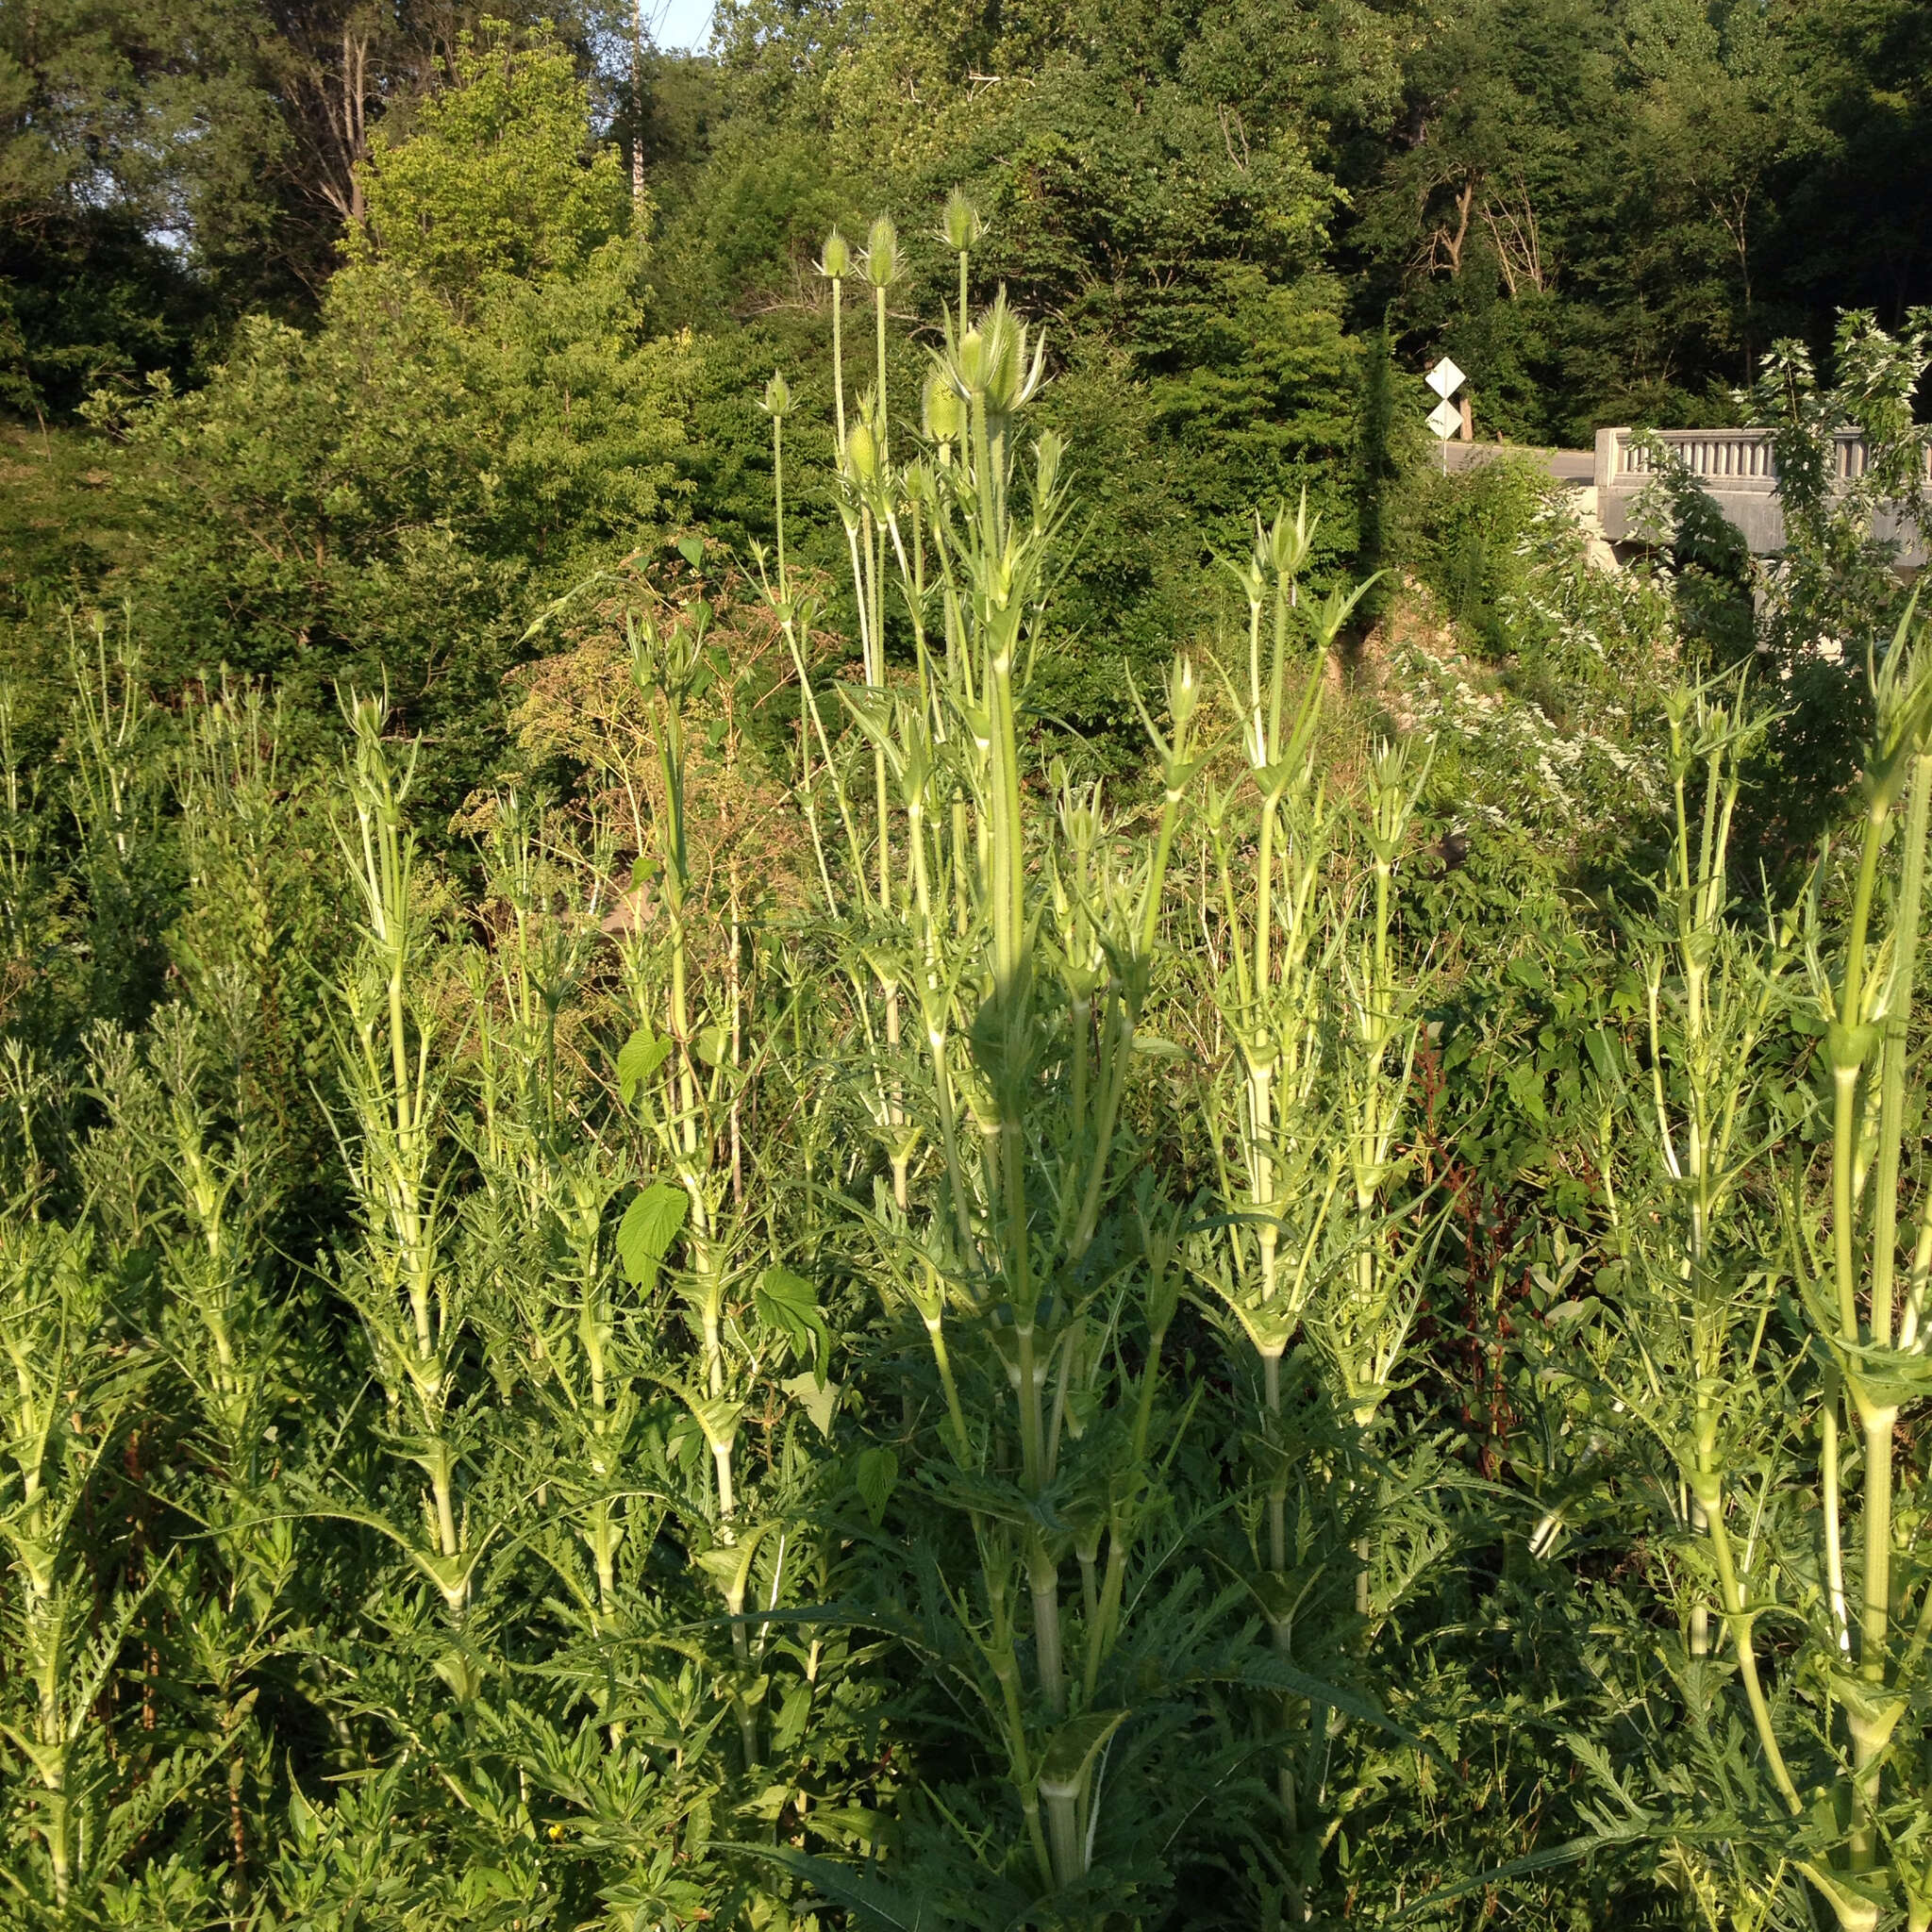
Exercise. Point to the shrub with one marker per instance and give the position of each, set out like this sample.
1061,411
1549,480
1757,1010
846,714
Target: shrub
1464,535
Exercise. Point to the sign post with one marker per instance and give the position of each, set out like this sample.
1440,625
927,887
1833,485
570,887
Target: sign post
1445,419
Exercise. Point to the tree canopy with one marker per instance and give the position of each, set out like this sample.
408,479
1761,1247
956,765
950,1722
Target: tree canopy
463,293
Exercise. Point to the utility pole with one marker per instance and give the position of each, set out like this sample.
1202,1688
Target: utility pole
636,105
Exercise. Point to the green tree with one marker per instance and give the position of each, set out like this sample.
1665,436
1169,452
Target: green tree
481,417
1852,226
493,174
1721,107
126,131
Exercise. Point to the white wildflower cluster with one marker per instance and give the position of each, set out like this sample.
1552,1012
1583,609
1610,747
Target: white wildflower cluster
1583,618
1596,638
1520,767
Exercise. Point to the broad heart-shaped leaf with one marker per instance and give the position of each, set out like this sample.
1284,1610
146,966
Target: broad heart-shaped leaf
1605,1050
693,550
1070,1752
819,1400
788,1305
875,1475
650,1225
637,1059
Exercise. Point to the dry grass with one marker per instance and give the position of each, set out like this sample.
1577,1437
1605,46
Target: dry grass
748,841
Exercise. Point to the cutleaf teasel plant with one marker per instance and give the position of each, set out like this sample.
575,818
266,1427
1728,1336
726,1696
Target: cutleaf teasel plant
1688,1363
807,1317
1773,1328
71,1383
1316,1240
1861,1259
1026,941
1024,922
411,1298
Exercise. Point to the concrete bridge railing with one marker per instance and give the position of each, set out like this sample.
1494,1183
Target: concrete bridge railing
1739,471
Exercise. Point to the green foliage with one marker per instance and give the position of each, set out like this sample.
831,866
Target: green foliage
1146,229
762,1301
86,301
751,223
389,497
1832,595
1841,534
124,129
493,176
542,1424
1599,213
1468,537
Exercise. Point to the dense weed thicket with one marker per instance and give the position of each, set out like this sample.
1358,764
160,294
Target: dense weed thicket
814,1316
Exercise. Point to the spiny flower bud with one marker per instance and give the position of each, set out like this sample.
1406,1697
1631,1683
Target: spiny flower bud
960,226
1183,691
882,265
996,361
1048,456
1289,543
835,259
778,396
941,409
862,453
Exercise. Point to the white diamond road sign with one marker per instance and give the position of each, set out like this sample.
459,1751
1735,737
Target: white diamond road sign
1445,378
1445,419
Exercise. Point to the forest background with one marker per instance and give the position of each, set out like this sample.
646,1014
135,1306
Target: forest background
1236,223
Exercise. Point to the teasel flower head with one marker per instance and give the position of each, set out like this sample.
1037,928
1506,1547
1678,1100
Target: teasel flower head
960,226
883,264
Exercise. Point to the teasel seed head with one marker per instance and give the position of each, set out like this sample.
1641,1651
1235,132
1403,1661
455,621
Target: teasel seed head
883,266
862,453
942,414
960,226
